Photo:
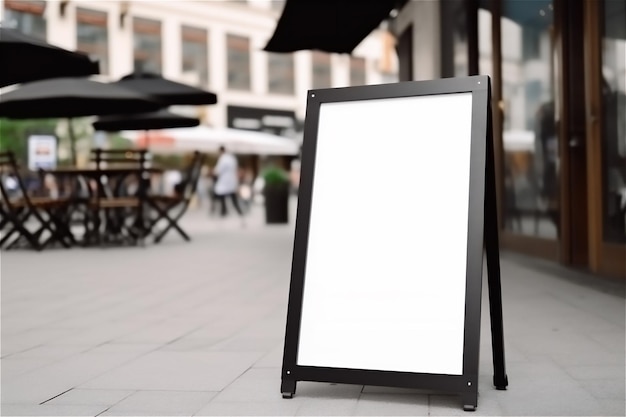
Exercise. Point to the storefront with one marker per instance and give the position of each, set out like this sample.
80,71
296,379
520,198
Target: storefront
274,121
558,71
277,122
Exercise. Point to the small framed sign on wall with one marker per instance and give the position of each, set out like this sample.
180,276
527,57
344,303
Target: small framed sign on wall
396,181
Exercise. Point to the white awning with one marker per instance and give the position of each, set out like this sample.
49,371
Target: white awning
208,139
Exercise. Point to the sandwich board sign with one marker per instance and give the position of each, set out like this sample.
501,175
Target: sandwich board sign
396,208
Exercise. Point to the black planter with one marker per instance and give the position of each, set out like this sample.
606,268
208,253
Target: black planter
276,203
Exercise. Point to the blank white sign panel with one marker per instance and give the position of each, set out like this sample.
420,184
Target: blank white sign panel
385,274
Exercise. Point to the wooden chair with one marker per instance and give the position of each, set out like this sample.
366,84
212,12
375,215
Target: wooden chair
29,219
118,212
171,209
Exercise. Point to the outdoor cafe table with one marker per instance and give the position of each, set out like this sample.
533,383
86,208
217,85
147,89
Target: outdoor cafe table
104,195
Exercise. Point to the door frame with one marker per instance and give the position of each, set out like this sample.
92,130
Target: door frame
604,258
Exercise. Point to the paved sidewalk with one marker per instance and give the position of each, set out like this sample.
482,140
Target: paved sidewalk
196,329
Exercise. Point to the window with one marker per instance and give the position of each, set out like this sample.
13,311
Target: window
26,16
238,62
195,55
357,71
321,70
280,73
92,36
277,5
147,45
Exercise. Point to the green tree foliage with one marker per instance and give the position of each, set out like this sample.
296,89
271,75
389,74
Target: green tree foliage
14,134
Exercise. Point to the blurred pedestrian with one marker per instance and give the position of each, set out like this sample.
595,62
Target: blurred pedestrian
227,183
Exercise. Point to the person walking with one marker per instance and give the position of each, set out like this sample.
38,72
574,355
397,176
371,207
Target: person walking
227,183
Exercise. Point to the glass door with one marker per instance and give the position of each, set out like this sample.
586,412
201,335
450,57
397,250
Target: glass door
530,139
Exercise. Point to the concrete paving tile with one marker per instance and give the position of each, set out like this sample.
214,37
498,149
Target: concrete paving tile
121,413
90,397
137,349
556,343
606,388
283,408
164,332
273,359
165,370
30,389
327,390
266,328
17,343
51,410
542,388
613,341
12,367
173,403
15,322
255,385
103,333
224,328
379,404
44,383
585,372
50,352
239,344
599,358
185,344
327,407
452,405
372,389
608,307
557,401
613,408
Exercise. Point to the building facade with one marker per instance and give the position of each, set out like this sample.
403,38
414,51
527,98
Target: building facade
558,71
217,45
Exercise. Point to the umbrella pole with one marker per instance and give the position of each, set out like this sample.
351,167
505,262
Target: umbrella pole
72,136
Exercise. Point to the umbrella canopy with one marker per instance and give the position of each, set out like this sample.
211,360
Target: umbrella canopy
161,119
169,92
337,26
25,59
208,139
72,97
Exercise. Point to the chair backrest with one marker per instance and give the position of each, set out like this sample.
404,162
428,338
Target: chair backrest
191,175
121,158
11,182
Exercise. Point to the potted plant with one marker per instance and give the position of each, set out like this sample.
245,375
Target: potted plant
276,195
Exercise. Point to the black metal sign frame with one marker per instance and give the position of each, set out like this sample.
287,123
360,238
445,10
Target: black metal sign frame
482,234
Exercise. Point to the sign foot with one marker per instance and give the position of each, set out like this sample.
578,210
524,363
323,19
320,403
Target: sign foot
288,388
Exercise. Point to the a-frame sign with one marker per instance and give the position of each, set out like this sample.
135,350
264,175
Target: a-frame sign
396,206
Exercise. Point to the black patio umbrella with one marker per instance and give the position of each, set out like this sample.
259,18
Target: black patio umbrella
161,119
168,91
72,97
25,58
